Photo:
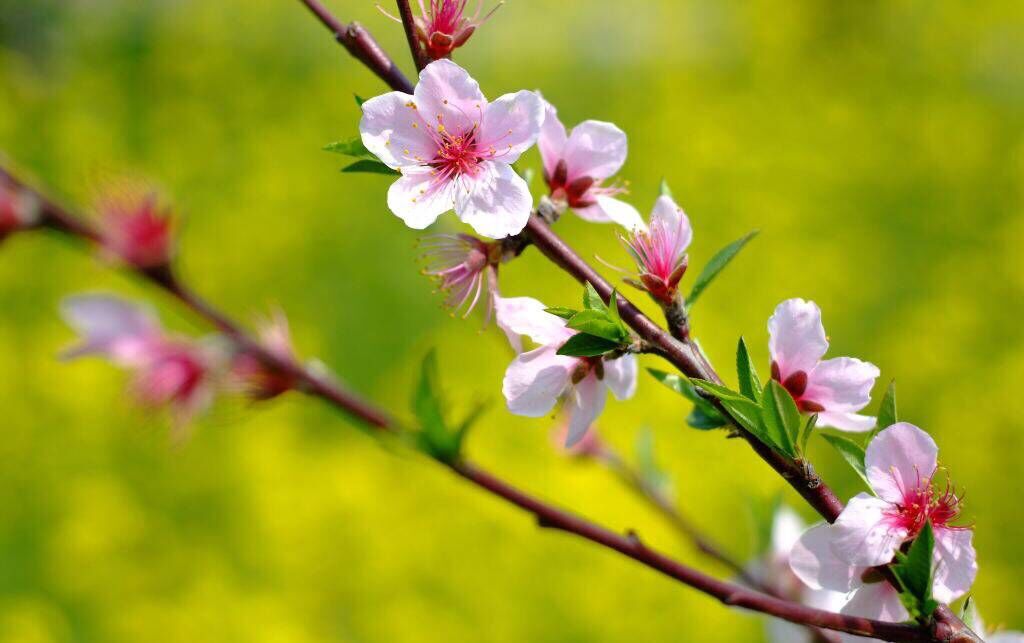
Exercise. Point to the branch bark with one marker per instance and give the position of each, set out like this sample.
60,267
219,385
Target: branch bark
419,57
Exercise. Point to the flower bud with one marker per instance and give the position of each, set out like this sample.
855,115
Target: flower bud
136,231
257,379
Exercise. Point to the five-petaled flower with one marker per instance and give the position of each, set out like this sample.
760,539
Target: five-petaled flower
537,379
659,249
169,371
460,263
444,26
454,150
576,164
836,388
258,379
136,230
901,463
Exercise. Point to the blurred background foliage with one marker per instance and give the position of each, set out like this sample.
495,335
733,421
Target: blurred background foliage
877,144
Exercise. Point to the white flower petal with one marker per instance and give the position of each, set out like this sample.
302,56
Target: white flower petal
813,561
668,216
955,564
787,528
878,601
526,316
796,337
606,209
496,202
861,535
551,142
416,199
846,421
119,328
395,132
511,125
900,458
596,149
447,95
842,384
620,376
584,403
535,379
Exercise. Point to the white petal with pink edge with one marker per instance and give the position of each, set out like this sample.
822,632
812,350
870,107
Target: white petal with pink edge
496,202
606,209
596,149
584,403
796,336
418,199
861,534
447,96
620,376
814,562
527,316
551,141
535,379
667,215
842,384
511,125
393,130
955,564
900,458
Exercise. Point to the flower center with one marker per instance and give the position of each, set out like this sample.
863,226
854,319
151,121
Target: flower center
796,385
921,504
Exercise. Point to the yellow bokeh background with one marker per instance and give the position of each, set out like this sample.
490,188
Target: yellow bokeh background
877,145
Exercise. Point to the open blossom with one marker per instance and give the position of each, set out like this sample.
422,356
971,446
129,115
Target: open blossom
835,388
901,463
659,249
136,230
537,379
168,371
257,379
577,163
444,26
454,150
18,209
459,263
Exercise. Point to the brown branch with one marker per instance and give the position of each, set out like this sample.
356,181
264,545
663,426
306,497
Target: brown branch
57,218
419,56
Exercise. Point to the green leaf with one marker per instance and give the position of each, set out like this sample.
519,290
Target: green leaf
715,266
583,345
781,418
600,324
368,166
748,415
434,436
613,307
805,435
887,411
351,147
664,190
359,100
852,452
750,383
914,573
678,383
718,391
592,300
702,420
561,311
969,613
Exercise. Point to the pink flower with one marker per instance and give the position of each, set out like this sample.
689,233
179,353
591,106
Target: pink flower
836,388
576,164
454,150
459,263
445,26
901,465
168,371
136,231
258,380
660,249
18,209
537,379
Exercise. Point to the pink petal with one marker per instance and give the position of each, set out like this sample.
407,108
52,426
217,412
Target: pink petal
417,199
842,383
901,457
955,564
814,562
861,535
780,631
496,202
526,316
511,124
447,95
620,376
534,381
551,142
596,149
846,421
878,601
395,132
109,325
671,218
605,209
584,403
796,337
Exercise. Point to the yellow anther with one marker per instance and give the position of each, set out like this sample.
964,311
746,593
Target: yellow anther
415,125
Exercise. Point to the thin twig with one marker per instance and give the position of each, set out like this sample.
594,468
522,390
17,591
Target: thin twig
419,57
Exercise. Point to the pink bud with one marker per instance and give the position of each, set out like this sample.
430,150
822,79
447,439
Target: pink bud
444,26
259,380
137,231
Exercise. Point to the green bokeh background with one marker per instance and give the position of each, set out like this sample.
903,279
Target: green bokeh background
878,145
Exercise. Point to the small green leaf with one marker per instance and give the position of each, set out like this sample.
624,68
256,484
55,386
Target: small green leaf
592,300
969,613
561,311
715,266
583,345
852,452
600,324
701,420
359,100
352,147
781,418
368,166
805,434
613,307
434,436
750,383
717,390
748,415
887,411
914,573
678,383
664,190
